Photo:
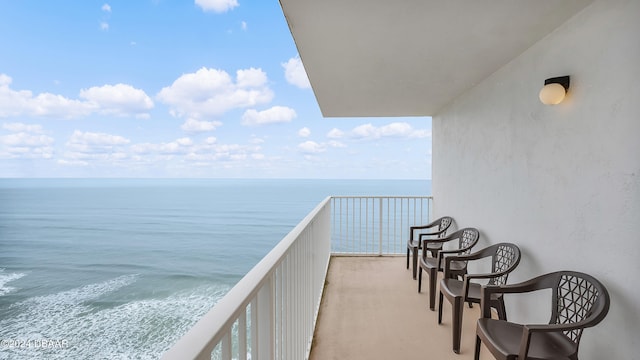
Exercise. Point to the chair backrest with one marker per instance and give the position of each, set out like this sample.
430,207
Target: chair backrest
577,297
505,259
445,223
468,239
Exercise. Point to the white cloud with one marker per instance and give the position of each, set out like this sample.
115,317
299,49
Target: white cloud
335,134
104,25
304,132
23,139
84,146
251,77
396,129
276,114
179,146
5,80
26,145
78,157
193,125
210,140
365,131
210,92
243,25
211,150
65,162
424,133
311,147
119,99
295,74
255,140
336,144
217,6
106,8
185,141
19,103
100,139
20,127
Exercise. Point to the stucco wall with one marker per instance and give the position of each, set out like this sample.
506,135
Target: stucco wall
561,181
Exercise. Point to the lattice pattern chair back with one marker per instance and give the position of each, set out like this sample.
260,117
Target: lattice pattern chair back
506,256
578,301
445,222
575,298
468,238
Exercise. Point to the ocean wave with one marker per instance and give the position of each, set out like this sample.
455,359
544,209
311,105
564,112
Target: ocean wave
7,278
140,329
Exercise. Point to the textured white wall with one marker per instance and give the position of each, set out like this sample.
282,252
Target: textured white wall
563,181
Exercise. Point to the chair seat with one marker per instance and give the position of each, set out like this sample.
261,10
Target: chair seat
416,244
453,287
431,263
505,339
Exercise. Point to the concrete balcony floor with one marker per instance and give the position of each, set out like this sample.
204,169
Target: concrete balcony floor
371,310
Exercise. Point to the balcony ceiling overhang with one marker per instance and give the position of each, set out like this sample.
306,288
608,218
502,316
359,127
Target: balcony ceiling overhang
412,57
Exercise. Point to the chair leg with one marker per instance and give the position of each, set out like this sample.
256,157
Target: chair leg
440,296
433,274
457,309
407,257
477,354
415,262
420,279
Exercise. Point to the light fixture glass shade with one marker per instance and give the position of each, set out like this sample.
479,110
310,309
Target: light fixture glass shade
552,94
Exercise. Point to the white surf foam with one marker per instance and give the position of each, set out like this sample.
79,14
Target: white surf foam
141,329
7,278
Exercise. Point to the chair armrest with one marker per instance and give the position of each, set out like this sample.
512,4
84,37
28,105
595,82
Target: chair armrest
522,287
487,275
529,329
449,259
474,256
421,227
444,255
424,243
421,235
587,322
487,290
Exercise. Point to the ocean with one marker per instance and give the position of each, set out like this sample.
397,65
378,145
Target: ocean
122,268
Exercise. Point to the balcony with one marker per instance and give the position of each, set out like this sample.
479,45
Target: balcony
272,312
371,310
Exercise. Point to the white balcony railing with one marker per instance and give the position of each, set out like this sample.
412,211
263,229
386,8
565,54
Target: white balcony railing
271,313
375,225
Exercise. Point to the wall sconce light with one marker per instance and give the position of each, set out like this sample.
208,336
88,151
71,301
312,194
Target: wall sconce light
554,90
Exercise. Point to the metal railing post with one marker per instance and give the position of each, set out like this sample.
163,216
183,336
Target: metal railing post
264,326
380,231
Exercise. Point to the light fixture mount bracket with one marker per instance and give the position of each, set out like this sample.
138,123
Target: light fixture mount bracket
562,80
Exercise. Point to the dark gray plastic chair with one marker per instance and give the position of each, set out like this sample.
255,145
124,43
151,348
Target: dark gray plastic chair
437,228
505,257
578,301
466,238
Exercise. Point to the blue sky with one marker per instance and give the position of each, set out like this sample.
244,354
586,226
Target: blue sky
192,88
